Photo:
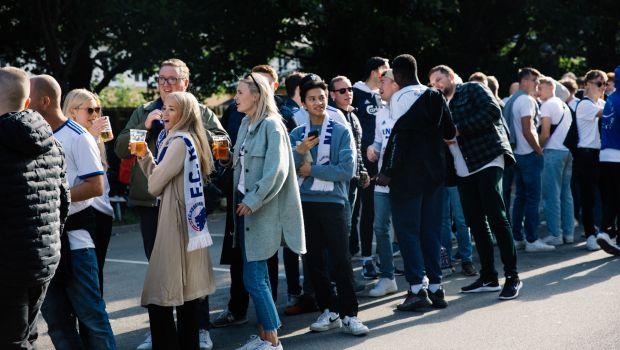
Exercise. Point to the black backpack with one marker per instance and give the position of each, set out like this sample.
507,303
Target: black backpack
572,137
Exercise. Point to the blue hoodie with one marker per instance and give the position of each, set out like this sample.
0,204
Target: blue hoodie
610,122
339,170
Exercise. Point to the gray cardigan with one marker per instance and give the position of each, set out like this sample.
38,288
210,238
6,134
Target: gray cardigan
271,189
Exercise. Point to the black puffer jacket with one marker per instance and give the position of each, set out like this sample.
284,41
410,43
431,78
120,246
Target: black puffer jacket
34,199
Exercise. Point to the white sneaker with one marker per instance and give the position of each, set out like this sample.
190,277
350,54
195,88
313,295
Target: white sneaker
326,321
147,344
519,244
383,287
253,342
353,325
553,240
265,345
205,340
591,244
537,246
604,241
569,239
293,300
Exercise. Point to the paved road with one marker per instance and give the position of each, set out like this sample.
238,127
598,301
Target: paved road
571,300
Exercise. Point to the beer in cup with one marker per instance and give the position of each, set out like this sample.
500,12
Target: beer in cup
137,142
106,134
220,147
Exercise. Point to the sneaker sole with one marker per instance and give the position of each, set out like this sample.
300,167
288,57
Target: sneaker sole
483,290
608,248
233,323
381,295
358,333
332,325
516,294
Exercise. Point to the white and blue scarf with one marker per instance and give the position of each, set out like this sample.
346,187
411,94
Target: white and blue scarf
322,154
195,212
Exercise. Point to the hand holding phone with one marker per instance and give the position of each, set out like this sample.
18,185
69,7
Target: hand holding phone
313,133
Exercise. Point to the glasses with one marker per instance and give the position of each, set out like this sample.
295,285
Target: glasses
90,110
598,83
169,81
254,80
343,90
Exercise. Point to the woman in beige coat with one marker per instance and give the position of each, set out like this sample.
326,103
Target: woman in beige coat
176,277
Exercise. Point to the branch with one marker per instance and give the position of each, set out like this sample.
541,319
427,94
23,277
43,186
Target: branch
122,66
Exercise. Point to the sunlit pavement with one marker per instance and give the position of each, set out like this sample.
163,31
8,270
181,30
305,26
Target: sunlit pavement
570,300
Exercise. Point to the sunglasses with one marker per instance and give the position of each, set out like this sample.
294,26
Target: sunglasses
254,80
343,90
90,110
598,83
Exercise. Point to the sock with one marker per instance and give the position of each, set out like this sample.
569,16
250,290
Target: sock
366,258
434,287
415,288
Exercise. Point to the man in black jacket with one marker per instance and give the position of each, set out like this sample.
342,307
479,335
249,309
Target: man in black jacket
35,202
414,167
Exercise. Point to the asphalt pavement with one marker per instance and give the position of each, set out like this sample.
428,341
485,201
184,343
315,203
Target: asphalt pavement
570,300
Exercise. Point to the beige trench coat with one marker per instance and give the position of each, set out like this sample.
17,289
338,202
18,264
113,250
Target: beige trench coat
174,275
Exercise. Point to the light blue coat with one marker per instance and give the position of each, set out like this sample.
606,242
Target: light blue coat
271,189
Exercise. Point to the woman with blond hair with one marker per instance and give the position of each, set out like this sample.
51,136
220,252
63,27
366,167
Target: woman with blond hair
268,205
84,107
180,271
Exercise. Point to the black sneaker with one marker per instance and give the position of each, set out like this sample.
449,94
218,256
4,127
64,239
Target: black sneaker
468,269
479,286
438,298
511,288
415,302
226,318
368,271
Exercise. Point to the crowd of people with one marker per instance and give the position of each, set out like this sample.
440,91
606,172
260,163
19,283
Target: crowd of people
321,172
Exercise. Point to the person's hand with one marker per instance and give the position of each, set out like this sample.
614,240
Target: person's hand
97,127
365,181
371,154
307,144
243,209
382,180
155,114
305,169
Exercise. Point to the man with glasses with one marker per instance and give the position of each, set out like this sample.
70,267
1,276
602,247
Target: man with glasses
588,112
173,76
521,112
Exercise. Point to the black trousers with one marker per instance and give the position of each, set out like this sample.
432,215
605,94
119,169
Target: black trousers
168,336
610,195
586,169
103,232
20,306
364,216
326,229
483,206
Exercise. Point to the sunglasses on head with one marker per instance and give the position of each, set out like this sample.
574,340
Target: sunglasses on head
90,110
598,83
254,80
343,90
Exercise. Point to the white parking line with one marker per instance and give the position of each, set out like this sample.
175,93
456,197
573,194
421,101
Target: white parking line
139,262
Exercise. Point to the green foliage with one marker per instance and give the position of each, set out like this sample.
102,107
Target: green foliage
221,40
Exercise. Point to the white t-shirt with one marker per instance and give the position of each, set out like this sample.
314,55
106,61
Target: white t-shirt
524,106
555,109
404,98
384,124
573,103
82,160
461,166
587,123
241,184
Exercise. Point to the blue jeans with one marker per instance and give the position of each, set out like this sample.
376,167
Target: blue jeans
417,224
256,282
527,196
557,196
452,205
79,297
381,226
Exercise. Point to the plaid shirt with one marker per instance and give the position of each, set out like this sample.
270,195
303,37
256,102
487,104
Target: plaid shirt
482,131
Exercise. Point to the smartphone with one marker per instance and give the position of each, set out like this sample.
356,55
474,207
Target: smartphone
314,133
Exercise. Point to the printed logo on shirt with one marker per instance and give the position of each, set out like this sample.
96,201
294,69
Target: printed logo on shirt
370,109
